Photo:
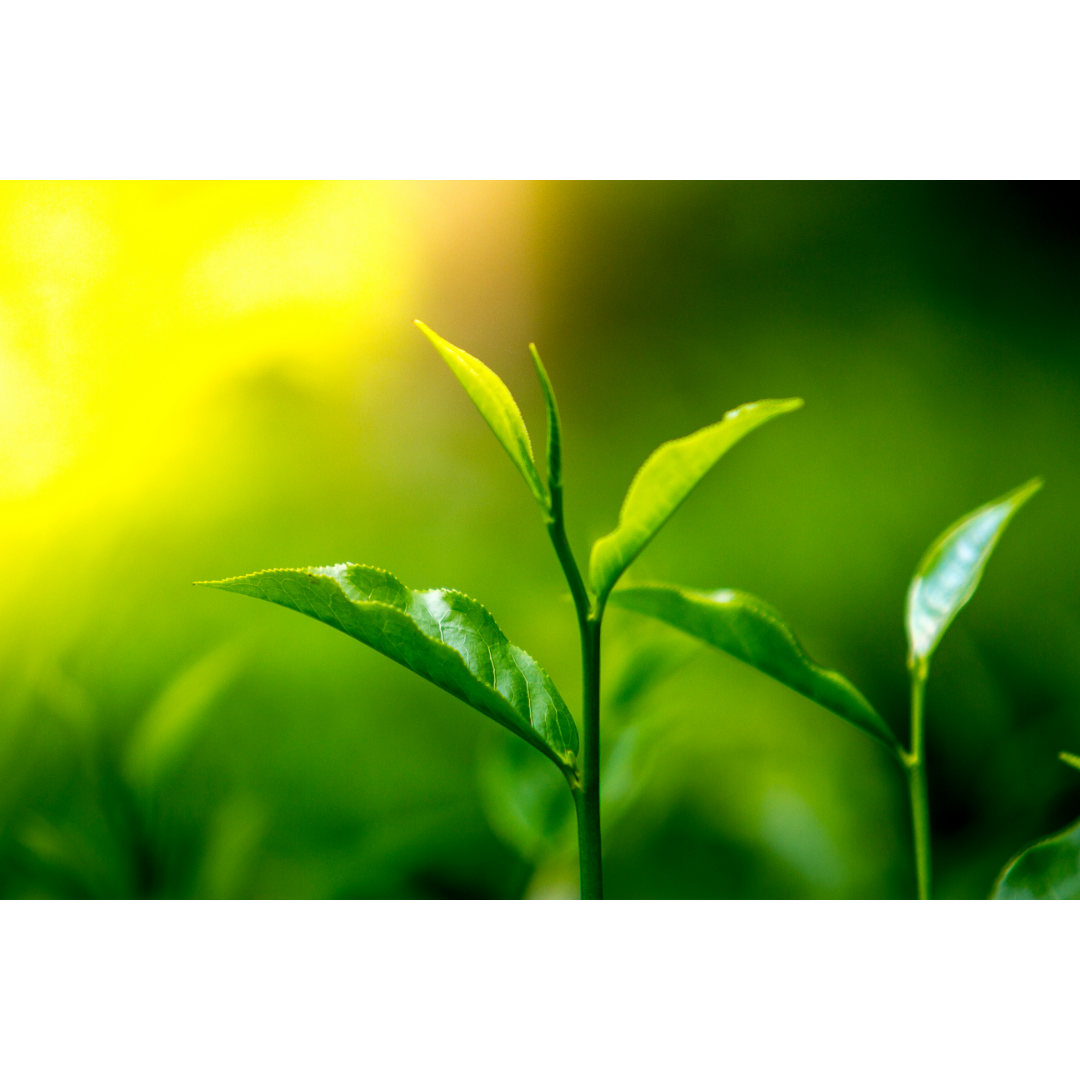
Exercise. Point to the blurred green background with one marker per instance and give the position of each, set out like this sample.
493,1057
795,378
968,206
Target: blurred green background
202,380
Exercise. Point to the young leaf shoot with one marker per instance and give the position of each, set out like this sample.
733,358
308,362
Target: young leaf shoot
453,641
497,406
669,474
950,571
944,582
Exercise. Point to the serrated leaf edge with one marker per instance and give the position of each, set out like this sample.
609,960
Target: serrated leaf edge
566,760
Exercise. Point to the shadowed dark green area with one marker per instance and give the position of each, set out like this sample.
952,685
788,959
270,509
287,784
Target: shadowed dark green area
931,330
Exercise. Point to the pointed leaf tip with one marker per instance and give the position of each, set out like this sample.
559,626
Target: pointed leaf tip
949,573
496,404
669,474
440,634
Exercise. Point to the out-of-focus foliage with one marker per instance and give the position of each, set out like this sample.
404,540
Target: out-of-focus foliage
1048,869
200,380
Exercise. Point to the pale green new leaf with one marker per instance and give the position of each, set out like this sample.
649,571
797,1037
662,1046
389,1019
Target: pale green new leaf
497,406
663,482
755,632
950,571
1047,870
440,634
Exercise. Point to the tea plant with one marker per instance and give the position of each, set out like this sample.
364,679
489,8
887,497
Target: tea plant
749,629
454,642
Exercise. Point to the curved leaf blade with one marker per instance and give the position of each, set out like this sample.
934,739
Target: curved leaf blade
497,406
669,474
554,423
441,634
950,571
1046,870
753,631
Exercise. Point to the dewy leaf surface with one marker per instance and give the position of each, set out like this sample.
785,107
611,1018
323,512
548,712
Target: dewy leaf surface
667,477
440,634
755,632
950,570
497,406
1047,870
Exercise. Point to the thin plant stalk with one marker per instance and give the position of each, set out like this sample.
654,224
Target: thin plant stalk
915,763
586,784
587,792
592,874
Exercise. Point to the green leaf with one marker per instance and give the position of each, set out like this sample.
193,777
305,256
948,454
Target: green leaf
440,634
950,570
1070,759
667,477
754,632
1047,870
172,721
497,406
554,443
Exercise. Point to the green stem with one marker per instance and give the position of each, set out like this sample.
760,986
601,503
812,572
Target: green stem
556,528
916,770
592,874
587,790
